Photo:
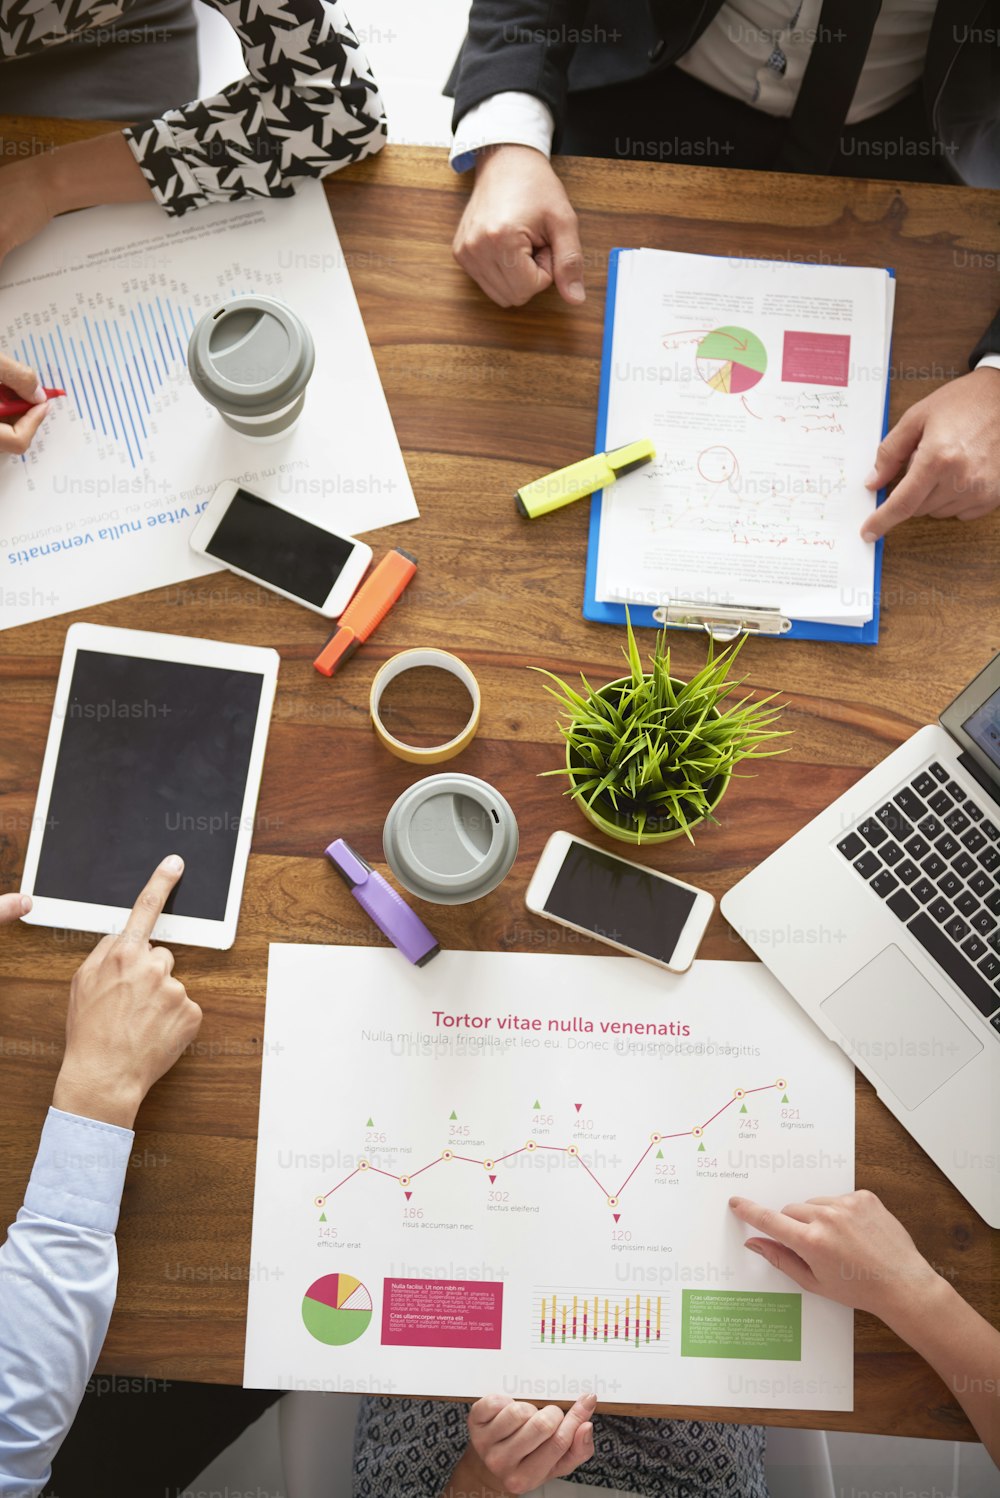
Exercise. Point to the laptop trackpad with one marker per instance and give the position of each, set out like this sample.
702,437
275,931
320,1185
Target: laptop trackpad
898,1024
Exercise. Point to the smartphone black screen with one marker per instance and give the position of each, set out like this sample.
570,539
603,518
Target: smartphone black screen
279,548
619,901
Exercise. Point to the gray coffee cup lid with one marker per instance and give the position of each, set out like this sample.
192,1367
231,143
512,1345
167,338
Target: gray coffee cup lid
252,355
450,838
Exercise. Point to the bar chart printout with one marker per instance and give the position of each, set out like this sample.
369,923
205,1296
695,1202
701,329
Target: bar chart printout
600,1318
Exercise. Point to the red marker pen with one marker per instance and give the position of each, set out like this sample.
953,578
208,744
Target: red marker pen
366,610
13,405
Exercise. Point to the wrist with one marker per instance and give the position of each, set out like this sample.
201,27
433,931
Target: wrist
88,1097
470,1478
923,1306
505,151
54,177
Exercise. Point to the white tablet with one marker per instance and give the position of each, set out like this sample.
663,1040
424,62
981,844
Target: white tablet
156,746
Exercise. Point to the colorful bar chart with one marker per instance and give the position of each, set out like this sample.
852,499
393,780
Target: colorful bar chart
606,1318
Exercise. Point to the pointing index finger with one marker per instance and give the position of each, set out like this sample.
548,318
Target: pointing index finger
149,906
786,1230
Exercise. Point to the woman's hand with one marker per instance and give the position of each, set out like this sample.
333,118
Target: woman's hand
848,1248
515,1448
851,1249
15,437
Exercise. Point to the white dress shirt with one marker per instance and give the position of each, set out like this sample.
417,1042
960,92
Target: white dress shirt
753,50
58,1277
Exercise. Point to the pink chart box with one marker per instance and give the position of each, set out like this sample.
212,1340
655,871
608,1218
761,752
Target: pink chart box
442,1313
816,358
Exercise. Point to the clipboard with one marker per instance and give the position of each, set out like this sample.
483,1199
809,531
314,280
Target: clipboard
723,623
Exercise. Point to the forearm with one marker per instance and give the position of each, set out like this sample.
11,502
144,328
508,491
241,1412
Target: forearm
89,172
964,1351
58,1276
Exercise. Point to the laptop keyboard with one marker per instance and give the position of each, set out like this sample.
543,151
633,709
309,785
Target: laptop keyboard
932,853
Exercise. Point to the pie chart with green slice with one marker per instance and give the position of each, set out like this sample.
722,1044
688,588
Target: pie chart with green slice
732,360
336,1309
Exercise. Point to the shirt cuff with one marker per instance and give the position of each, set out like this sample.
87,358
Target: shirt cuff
79,1171
989,361
507,119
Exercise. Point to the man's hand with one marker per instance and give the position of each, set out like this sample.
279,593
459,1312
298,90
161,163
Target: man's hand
848,1248
950,442
515,1447
128,1019
519,233
12,907
15,437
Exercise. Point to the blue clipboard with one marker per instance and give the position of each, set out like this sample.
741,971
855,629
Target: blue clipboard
614,613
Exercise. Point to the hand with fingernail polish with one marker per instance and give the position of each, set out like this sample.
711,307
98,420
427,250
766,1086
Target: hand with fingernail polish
15,437
129,1018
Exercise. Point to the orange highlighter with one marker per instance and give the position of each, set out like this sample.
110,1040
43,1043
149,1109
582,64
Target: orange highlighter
366,610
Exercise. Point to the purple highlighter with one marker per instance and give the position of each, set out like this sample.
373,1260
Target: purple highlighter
389,911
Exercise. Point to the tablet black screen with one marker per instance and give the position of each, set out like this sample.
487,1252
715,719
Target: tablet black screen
153,760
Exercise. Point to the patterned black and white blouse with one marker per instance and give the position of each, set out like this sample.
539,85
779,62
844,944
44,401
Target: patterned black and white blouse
407,1448
308,106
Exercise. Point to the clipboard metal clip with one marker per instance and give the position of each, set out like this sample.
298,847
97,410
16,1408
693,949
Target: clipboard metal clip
724,621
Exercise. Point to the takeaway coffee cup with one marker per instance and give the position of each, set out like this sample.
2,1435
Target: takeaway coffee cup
450,839
251,359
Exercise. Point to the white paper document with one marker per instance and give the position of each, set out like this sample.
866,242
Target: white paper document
762,386
102,304
511,1172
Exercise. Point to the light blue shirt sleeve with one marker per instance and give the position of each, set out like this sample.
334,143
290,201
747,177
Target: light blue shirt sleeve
58,1276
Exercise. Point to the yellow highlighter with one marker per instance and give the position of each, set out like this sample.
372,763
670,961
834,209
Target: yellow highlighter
580,479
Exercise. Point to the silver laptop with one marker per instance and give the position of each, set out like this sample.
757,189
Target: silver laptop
882,918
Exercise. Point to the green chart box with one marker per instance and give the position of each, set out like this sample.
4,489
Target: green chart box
741,1324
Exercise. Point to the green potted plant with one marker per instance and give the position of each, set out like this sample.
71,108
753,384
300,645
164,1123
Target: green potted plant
648,756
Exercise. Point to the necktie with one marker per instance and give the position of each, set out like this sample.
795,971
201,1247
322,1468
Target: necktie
828,85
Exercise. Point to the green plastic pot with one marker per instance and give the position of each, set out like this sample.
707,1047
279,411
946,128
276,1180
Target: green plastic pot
618,825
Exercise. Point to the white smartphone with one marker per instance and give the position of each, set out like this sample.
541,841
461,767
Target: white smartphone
634,909
297,558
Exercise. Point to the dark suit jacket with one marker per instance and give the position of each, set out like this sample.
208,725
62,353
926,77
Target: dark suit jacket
550,48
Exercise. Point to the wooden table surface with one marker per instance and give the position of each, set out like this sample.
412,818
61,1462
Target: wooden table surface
484,399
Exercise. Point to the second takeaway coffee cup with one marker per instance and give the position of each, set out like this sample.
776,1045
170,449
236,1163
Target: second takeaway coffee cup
450,839
251,359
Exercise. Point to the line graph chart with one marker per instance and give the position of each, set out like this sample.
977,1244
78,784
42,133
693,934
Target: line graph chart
489,1163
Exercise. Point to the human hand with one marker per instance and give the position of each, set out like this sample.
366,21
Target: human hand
847,1248
26,202
128,1019
522,1447
12,907
15,437
950,442
519,233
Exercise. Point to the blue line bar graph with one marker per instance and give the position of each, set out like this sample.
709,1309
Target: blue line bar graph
114,366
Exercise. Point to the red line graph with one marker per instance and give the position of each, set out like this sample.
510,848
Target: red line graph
490,1162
